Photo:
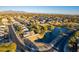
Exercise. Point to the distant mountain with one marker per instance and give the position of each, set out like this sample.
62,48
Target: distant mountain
11,12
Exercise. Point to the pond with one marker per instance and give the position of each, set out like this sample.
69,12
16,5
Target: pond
49,36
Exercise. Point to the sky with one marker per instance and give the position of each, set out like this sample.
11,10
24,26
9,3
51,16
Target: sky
74,10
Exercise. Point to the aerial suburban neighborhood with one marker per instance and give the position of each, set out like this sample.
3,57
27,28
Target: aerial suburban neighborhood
38,32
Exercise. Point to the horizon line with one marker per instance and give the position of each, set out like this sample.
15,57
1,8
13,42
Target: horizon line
37,12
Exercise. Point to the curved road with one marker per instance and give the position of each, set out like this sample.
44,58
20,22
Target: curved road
27,45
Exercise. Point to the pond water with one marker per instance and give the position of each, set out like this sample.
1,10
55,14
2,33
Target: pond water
49,36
